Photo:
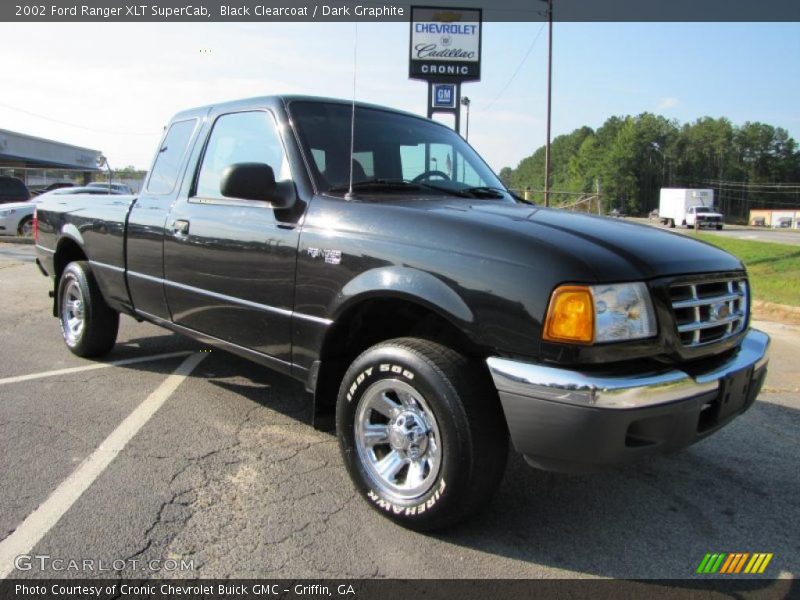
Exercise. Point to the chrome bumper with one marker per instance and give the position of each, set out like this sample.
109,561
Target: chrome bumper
573,421
622,392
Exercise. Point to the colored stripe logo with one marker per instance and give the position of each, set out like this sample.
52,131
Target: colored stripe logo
731,563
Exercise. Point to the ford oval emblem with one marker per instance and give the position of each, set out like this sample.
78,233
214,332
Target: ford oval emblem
719,311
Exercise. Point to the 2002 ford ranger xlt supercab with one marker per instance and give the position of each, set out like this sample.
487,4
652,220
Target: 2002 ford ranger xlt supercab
433,312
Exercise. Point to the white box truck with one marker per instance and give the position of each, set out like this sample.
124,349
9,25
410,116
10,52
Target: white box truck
683,206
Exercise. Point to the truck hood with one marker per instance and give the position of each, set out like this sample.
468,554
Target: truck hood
604,248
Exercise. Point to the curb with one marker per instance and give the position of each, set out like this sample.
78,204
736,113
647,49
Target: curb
780,313
763,304
15,239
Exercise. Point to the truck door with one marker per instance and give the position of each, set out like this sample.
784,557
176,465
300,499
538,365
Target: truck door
230,264
147,219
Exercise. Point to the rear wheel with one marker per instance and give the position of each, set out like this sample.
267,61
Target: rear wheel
421,432
719,227
25,227
672,223
89,326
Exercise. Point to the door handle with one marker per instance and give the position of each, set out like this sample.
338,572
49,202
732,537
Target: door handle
180,227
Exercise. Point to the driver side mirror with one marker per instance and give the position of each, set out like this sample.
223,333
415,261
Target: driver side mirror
255,181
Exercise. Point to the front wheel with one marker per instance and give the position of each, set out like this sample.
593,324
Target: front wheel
421,432
25,227
89,326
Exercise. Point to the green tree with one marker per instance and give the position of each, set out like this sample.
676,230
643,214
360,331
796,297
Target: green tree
634,157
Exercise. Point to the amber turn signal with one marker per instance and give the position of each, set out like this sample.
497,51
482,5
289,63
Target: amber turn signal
570,316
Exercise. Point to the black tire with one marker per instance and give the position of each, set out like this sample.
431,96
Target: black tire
719,227
472,436
672,223
90,328
25,227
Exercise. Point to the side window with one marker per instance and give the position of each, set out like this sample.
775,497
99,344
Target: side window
319,159
412,159
238,138
467,174
367,161
441,159
170,156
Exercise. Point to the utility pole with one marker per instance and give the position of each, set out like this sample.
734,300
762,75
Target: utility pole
549,101
599,202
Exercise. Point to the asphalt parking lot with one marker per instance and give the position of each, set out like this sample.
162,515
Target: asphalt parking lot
228,476
739,232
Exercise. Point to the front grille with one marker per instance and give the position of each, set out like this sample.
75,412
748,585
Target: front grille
709,311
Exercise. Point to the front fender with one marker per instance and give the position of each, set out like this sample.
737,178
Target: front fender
407,283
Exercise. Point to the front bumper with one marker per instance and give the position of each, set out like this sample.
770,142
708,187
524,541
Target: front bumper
567,420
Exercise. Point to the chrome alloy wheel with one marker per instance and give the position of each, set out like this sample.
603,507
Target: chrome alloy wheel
73,313
26,229
398,439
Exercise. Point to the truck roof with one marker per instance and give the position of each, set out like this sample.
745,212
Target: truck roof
276,101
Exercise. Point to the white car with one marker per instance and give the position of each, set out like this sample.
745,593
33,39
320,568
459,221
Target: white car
16,218
116,188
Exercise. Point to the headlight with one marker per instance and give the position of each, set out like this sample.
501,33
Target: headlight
600,313
7,212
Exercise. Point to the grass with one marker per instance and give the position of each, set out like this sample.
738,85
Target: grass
774,269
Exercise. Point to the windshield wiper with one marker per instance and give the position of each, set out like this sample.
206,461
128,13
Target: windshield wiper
485,191
403,185
444,190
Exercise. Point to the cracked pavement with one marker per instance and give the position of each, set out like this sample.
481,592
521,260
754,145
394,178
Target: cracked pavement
229,476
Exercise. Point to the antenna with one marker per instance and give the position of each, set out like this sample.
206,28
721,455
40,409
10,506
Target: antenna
350,195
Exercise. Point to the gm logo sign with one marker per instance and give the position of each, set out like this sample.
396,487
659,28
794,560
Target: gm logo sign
444,95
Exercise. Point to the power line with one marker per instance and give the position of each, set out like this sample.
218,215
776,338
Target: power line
748,185
46,118
518,69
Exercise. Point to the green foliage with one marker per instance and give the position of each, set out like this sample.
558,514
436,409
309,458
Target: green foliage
632,158
774,269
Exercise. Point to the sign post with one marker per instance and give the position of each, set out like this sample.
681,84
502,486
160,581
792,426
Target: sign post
445,51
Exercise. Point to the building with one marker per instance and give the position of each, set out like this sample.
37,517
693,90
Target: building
773,217
38,161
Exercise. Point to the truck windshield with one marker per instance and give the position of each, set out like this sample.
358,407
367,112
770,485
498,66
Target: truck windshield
392,153
702,209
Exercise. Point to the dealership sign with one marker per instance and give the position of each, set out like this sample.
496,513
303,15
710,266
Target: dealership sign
445,44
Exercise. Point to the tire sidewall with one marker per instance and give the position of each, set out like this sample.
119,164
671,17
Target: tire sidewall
22,224
396,362
74,273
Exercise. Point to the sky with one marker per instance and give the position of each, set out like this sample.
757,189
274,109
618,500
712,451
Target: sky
113,86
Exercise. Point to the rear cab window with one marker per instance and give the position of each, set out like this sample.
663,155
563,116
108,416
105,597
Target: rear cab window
169,159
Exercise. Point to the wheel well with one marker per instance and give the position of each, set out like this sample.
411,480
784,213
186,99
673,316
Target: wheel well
373,321
67,251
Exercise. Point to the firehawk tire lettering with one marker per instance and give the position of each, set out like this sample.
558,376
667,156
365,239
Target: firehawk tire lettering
383,369
452,394
407,510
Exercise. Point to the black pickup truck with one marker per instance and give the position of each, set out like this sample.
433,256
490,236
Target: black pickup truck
432,311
